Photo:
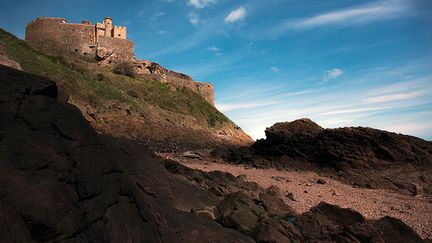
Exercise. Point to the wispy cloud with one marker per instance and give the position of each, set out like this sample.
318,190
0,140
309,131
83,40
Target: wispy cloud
379,10
348,111
239,106
392,97
236,15
193,18
200,3
332,74
413,127
213,48
274,69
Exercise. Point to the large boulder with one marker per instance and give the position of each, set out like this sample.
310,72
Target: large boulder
62,181
274,231
273,204
394,230
240,212
327,222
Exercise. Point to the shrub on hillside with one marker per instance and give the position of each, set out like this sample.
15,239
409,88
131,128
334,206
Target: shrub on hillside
125,68
100,77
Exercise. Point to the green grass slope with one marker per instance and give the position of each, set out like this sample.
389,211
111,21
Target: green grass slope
89,83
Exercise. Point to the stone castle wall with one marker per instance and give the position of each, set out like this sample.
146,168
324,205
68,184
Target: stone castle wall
119,32
107,44
55,35
122,49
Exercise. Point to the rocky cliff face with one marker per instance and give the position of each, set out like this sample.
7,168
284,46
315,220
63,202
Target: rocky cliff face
163,109
153,70
63,182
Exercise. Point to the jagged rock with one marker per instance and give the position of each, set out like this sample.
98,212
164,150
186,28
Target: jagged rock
273,231
393,230
327,222
218,183
273,190
242,177
91,111
290,195
239,211
273,205
367,157
103,53
321,181
298,128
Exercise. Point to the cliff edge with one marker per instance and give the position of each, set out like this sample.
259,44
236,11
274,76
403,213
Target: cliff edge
159,108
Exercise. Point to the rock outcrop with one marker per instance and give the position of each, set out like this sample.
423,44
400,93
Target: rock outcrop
357,147
363,156
177,80
5,60
261,214
61,181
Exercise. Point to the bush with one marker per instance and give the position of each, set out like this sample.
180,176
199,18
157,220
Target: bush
125,69
100,77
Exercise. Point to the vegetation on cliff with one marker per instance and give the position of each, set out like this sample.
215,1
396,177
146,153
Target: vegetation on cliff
97,88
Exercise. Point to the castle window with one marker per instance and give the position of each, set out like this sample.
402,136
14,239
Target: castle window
118,34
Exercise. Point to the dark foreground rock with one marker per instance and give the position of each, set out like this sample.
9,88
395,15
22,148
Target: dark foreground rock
328,223
362,156
63,182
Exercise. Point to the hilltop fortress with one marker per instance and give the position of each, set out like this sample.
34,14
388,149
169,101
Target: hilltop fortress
55,35
108,45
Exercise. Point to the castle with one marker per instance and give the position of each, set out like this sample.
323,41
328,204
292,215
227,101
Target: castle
56,35
108,45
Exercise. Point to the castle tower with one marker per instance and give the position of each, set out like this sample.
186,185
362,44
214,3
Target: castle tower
55,35
108,26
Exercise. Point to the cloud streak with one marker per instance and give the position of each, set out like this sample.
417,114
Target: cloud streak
213,48
332,74
240,106
236,15
380,10
200,3
392,97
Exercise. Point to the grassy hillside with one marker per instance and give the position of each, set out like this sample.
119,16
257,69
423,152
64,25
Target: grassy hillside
95,85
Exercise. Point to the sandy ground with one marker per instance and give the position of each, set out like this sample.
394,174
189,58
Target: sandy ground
372,203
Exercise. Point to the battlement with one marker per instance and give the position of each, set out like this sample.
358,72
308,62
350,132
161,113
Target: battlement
56,35
38,19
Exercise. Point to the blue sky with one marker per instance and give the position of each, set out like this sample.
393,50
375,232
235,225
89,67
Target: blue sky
340,63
